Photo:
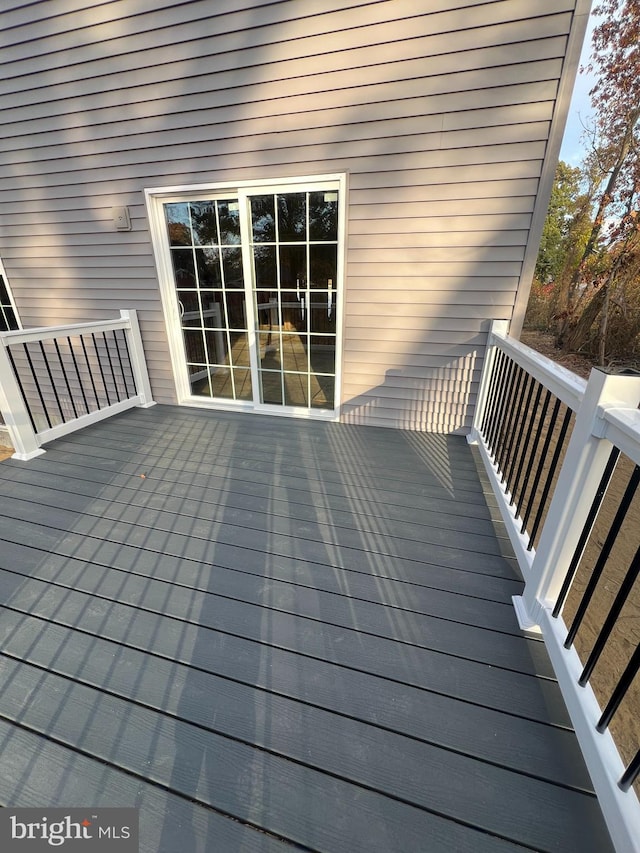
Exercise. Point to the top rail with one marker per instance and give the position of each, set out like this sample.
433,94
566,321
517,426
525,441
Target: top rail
43,333
563,384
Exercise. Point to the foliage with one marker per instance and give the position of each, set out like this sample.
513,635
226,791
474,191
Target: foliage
563,208
596,295
540,306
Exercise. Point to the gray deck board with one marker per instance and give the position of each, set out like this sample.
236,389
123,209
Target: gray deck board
172,687
38,770
203,762
295,627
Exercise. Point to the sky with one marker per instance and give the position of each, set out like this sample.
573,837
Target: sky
573,148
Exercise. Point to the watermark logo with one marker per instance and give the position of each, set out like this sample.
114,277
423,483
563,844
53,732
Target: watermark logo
109,830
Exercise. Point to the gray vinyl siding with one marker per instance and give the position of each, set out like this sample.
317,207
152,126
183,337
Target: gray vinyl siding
440,113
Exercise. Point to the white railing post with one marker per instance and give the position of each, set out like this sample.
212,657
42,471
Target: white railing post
582,470
14,411
499,327
138,361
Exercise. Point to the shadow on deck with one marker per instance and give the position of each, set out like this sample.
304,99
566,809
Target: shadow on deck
270,633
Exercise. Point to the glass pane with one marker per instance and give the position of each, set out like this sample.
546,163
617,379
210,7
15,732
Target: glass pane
212,309
323,266
232,266
294,353
178,224
267,310
188,303
295,389
199,381
242,379
263,223
217,347
293,267
269,350
203,223
184,269
236,313
292,217
194,346
294,314
208,264
271,387
322,354
221,383
323,216
240,349
8,319
322,314
322,392
229,218
264,259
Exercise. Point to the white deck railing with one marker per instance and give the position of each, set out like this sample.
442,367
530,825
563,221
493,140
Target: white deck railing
550,442
59,379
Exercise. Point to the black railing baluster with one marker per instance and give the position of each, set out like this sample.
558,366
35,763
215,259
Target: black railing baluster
500,401
510,419
518,412
21,387
506,402
499,368
127,353
80,384
523,408
489,415
609,542
609,623
631,773
86,356
122,370
549,478
626,680
53,384
586,530
490,389
531,410
66,380
104,381
113,375
543,455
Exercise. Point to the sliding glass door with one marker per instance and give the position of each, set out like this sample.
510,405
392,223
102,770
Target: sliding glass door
254,290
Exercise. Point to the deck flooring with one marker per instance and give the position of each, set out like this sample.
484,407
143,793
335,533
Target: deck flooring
273,634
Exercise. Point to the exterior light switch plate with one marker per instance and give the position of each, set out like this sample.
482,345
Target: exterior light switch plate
121,218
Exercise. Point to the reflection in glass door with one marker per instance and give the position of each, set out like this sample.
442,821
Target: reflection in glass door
294,251
255,283
204,239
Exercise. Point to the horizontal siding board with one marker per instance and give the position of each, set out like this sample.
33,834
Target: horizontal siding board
447,179
362,337
462,278
477,188
437,241
380,252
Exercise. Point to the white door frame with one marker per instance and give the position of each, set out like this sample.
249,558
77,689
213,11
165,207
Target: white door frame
155,199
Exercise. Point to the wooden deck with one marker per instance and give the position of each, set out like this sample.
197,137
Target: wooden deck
272,635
